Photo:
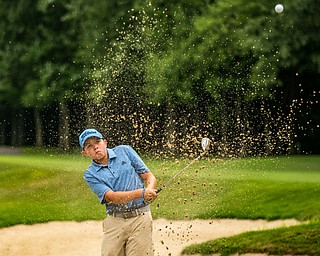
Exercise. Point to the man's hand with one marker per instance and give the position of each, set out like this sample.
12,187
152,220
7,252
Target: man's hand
150,195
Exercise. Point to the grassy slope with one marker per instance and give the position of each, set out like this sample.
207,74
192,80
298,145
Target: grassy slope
296,240
44,187
40,188
268,188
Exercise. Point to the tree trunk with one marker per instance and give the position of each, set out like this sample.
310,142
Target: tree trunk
38,127
64,127
17,132
170,130
2,134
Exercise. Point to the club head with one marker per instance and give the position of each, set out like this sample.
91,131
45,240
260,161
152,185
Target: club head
205,143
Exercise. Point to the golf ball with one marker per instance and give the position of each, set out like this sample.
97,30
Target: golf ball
279,8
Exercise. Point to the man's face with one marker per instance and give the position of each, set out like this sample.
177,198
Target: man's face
95,148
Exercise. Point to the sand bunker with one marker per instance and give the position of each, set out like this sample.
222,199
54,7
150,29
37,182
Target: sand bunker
83,238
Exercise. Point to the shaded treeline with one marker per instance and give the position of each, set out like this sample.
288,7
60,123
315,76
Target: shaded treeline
160,75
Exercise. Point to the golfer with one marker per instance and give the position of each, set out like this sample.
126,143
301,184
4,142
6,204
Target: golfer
122,182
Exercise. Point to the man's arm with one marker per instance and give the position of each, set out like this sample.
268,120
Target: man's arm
151,183
121,197
149,180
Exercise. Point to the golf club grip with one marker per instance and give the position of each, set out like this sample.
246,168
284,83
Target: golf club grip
158,190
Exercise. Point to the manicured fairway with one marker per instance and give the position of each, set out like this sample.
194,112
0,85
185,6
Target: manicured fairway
44,186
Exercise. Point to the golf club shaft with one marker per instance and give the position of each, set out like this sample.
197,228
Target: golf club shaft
177,174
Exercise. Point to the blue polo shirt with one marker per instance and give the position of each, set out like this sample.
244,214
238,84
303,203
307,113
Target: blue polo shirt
121,174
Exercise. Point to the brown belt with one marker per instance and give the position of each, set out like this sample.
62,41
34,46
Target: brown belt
130,213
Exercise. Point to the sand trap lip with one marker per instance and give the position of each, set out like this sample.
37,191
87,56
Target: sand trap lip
83,238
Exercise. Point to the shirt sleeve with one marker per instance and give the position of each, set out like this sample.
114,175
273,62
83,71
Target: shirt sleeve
100,189
136,161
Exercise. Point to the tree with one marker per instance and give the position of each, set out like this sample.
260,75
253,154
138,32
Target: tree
289,49
235,69
235,59
54,68
18,53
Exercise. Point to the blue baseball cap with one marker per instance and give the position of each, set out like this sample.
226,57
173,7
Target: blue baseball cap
86,134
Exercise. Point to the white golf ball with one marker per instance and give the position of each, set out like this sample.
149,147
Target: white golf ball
279,8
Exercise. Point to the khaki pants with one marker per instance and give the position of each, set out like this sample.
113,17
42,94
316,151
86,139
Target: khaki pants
127,237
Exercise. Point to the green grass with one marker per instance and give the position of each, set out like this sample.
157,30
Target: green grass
267,188
41,186
296,240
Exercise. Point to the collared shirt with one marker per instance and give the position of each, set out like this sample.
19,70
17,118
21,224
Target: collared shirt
121,174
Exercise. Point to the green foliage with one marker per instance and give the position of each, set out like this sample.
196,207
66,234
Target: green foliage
216,60
172,60
18,49
233,46
55,70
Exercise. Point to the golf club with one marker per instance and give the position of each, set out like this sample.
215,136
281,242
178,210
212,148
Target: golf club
205,145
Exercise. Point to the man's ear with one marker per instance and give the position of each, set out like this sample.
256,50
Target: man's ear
84,153
105,142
